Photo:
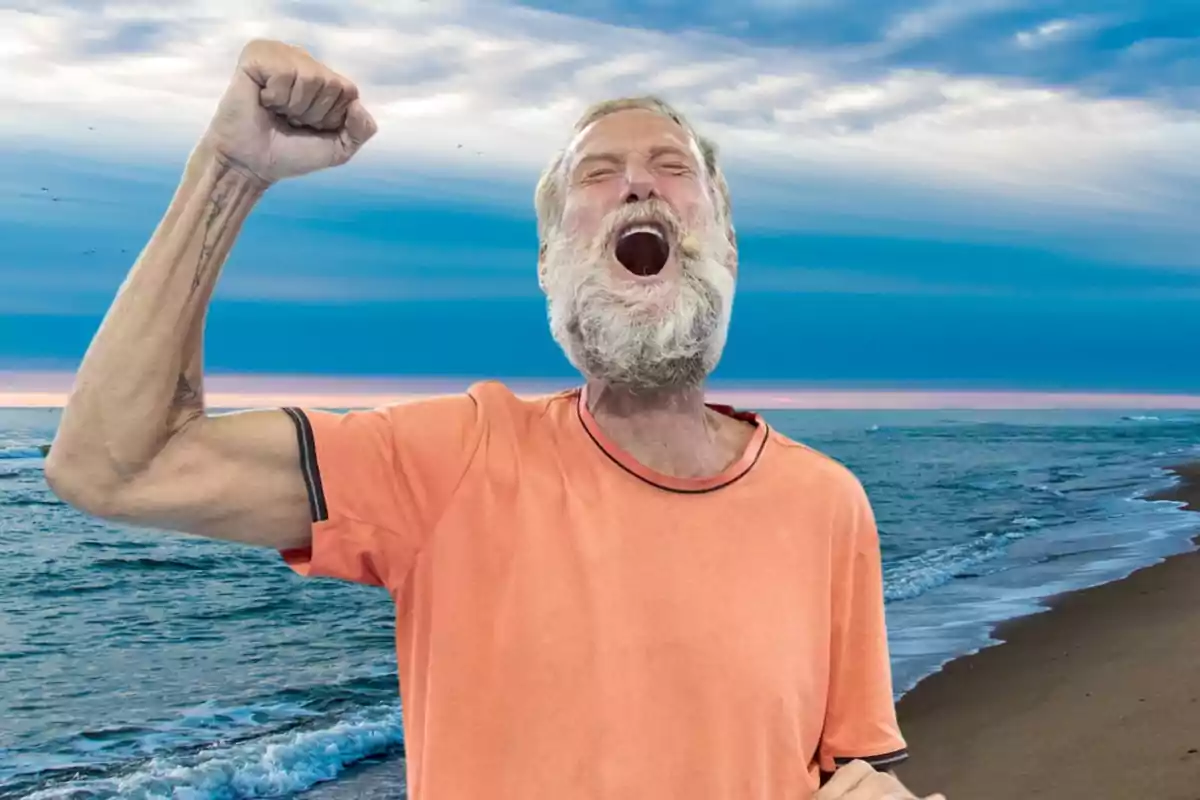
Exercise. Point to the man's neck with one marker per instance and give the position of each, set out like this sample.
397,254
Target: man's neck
670,431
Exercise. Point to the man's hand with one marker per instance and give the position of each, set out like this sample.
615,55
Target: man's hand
285,114
858,780
135,443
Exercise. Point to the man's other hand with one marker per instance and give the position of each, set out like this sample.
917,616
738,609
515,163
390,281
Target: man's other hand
858,780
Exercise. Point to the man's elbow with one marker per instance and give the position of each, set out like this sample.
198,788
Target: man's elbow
79,487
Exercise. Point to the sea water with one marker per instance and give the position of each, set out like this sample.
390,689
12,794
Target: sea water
137,664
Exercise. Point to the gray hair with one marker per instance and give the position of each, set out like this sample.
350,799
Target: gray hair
550,196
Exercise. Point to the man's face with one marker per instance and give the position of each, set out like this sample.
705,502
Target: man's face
639,275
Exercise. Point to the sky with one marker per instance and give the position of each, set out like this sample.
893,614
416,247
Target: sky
948,195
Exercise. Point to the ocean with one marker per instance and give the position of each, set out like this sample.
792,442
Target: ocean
137,664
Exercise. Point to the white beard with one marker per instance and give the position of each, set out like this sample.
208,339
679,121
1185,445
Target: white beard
640,337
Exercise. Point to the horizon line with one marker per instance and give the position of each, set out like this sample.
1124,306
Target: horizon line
46,389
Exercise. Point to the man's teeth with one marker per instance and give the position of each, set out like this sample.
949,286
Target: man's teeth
654,229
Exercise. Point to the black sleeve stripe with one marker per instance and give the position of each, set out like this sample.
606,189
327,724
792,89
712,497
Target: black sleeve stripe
884,761
308,465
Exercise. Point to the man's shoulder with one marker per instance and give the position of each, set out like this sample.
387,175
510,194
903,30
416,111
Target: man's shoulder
828,489
489,399
804,465
499,402
486,409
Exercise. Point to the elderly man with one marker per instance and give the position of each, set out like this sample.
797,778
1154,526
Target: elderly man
612,592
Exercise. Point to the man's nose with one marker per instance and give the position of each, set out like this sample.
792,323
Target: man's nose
640,184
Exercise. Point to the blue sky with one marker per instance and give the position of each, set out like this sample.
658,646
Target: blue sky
976,193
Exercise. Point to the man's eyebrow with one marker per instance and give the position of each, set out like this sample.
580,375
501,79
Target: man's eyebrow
612,158
616,158
669,150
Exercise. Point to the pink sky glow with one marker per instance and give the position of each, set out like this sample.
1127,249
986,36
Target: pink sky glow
48,389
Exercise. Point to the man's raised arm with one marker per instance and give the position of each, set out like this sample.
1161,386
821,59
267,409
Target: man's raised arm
135,443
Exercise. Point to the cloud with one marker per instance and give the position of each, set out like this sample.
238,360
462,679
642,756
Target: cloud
941,17
467,89
1056,30
1128,48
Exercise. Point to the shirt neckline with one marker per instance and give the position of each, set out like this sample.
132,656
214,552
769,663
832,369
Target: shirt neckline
732,473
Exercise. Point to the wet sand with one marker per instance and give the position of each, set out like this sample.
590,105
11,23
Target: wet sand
381,779
1096,699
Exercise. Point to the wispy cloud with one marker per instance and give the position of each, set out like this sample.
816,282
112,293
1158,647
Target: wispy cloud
487,89
1048,33
941,18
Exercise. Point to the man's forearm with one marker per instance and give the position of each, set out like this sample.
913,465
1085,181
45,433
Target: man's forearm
141,378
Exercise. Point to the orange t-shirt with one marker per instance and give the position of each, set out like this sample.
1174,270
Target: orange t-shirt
571,625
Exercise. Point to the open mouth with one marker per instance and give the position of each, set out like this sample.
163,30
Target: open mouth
642,248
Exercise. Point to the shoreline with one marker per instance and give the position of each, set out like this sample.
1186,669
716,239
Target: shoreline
1186,489
1097,696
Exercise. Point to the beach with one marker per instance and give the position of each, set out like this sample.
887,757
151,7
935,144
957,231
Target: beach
1098,697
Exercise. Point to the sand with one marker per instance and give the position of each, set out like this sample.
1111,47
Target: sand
1096,699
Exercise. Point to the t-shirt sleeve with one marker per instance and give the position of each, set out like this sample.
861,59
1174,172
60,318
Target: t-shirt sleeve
378,481
860,719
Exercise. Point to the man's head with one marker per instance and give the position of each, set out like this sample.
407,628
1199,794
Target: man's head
638,255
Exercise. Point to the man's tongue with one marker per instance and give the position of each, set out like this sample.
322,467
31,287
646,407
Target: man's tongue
642,252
